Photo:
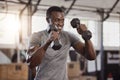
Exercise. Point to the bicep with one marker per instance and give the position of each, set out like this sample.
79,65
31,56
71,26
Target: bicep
79,47
77,44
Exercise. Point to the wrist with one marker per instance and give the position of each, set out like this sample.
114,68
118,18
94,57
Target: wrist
49,41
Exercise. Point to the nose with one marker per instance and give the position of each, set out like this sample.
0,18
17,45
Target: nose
61,23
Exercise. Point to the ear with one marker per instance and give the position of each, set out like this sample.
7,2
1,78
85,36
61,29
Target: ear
49,20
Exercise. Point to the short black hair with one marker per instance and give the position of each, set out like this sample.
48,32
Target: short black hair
53,8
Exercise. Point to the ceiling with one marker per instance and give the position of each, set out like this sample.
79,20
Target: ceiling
93,9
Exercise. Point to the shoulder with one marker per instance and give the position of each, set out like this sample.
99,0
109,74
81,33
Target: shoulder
71,37
66,33
69,34
35,38
38,34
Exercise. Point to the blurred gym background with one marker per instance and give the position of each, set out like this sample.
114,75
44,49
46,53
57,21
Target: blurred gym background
20,18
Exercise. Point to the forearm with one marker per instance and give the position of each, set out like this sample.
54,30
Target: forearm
38,55
89,50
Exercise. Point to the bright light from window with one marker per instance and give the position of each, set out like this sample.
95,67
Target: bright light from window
111,34
12,25
9,28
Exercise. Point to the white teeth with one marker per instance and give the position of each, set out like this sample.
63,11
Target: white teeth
59,28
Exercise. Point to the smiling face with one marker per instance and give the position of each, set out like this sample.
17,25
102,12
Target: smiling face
56,19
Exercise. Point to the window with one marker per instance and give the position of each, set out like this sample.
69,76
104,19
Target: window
38,23
8,29
111,34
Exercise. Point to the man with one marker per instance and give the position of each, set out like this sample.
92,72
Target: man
51,63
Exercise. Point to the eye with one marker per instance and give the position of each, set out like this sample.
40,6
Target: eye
56,20
59,20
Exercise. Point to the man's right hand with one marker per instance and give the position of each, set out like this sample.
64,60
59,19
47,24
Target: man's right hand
54,35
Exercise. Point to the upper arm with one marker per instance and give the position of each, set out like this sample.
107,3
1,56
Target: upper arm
76,43
86,50
73,38
79,47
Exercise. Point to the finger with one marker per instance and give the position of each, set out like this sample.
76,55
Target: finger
83,27
79,30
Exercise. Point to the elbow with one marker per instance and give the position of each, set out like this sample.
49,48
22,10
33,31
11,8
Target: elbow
31,63
91,57
31,66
